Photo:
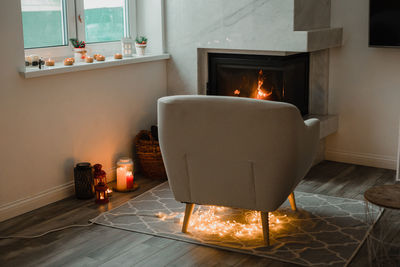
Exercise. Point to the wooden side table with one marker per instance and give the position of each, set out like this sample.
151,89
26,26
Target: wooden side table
381,252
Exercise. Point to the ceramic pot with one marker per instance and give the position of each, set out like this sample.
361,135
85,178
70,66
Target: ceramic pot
80,54
140,49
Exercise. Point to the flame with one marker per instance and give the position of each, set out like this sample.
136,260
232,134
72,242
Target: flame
236,92
261,94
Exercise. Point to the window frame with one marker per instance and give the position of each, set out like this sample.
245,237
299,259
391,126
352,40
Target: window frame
75,29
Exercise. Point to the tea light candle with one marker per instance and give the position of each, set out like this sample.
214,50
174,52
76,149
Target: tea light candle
89,60
68,61
35,60
100,58
109,192
50,62
118,56
28,61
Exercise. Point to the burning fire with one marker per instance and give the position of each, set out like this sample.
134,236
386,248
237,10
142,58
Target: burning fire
261,94
209,220
236,92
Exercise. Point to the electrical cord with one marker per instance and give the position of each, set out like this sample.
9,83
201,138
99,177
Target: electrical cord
71,226
45,233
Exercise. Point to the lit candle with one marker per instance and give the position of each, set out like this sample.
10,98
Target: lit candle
109,192
129,180
68,61
50,62
121,178
89,59
124,174
100,58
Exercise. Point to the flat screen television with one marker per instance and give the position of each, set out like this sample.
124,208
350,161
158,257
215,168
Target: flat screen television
384,23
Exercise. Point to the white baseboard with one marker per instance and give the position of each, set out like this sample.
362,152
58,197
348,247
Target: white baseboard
18,207
373,160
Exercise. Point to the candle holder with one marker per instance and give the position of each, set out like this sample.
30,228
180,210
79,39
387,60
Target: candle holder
125,176
127,47
101,193
83,177
99,175
100,188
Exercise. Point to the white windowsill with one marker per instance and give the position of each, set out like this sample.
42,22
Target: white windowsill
32,72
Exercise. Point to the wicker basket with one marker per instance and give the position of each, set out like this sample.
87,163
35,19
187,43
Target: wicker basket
149,155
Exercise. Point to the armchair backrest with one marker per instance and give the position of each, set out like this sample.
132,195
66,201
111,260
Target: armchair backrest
235,152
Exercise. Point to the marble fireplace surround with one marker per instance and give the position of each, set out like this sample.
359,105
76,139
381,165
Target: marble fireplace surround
264,27
319,77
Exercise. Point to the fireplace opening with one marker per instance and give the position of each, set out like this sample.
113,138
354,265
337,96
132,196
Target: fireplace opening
275,78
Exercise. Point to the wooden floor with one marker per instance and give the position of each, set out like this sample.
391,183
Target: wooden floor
103,246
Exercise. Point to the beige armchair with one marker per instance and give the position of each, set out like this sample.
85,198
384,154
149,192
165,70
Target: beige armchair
234,152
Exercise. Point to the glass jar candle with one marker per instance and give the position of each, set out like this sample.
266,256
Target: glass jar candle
124,174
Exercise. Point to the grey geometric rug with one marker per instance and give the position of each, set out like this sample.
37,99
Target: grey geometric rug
325,231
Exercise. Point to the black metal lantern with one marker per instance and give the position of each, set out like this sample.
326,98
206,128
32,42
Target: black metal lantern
83,174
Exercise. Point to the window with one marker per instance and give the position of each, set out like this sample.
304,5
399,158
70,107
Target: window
104,20
51,23
44,23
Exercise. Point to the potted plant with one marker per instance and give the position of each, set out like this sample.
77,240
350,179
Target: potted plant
140,44
79,49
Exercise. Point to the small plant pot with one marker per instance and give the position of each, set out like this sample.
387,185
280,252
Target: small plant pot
140,49
80,54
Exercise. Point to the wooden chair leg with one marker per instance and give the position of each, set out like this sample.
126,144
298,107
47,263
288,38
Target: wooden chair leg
292,201
188,213
265,226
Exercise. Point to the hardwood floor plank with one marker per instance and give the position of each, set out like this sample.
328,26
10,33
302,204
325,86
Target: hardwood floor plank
104,246
199,256
113,249
136,253
168,254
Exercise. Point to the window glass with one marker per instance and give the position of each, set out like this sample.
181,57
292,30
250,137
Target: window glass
104,20
43,23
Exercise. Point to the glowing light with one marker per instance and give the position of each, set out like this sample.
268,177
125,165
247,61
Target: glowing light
211,220
236,92
109,192
261,94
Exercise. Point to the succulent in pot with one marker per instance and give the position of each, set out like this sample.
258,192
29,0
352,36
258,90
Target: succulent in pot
140,44
79,49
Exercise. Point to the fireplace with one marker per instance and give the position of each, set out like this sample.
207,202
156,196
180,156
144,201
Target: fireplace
264,77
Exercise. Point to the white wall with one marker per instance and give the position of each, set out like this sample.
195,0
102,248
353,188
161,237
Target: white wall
150,23
364,91
50,123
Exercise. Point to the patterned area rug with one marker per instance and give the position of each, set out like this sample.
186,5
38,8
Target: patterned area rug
325,231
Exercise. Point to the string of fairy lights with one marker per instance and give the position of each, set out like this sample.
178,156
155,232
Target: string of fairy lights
211,220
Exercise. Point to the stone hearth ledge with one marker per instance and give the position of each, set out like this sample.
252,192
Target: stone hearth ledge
329,124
